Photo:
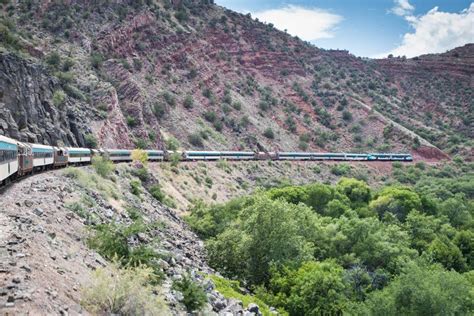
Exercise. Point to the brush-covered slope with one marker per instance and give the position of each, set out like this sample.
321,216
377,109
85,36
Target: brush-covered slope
135,73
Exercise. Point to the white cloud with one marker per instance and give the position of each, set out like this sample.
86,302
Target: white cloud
307,23
436,32
402,8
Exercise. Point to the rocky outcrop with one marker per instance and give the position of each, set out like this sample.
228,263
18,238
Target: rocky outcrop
27,112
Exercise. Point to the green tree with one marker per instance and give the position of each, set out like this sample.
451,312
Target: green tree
444,251
464,240
396,200
357,191
422,291
276,236
194,296
316,288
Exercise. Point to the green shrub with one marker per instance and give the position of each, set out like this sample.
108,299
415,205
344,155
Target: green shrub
141,173
232,289
131,121
78,209
188,101
303,145
340,169
169,98
210,116
103,166
237,105
156,192
53,59
347,116
159,109
123,291
74,92
141,143
218,125
416,143
137,64
175,159
207,93
96,60
290,124
196,140
90,141
59,98
194,296
135,187
172,143
268,133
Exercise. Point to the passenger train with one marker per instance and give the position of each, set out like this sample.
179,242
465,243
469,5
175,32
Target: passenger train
18,159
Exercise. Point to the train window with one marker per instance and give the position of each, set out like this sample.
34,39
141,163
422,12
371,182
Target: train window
42,155
8,155
78,155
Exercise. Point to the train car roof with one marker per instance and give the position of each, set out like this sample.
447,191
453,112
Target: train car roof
237,152
118,150
202,152
7,140
39,146
8,143
78,149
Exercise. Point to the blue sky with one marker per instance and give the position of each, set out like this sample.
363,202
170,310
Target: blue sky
369,28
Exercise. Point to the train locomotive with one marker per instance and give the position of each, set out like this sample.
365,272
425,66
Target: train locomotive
19,159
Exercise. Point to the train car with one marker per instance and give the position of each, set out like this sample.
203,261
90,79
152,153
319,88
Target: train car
61,157
402,157
25,159
355,156
155,155
237,155
79,155
294,156
43,156
8,158
319,156
334,156
389,157
201,155
119,154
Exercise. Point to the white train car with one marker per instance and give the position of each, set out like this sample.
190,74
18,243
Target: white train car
119,154
237,155
155,155
294,156
43,156
79,155
8,158
202,155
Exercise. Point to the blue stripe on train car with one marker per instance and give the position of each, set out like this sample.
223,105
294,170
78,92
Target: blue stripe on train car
75,151
203,153
7,146
42,150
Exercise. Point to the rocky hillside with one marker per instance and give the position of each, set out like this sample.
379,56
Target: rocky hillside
48,258
136,73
